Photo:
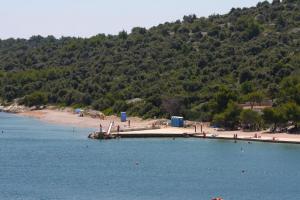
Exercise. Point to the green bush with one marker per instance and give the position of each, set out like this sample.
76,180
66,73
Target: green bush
36,99
230,118
251,120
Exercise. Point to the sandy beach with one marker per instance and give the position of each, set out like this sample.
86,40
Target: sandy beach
67,117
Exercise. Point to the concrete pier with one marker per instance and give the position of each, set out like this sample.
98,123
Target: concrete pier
185,133
153,135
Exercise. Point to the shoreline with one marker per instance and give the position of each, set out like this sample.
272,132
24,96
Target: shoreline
68,118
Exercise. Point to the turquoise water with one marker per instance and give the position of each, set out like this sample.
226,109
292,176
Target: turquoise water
39,161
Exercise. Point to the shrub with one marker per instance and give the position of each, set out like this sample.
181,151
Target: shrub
36,99
251,120
229,119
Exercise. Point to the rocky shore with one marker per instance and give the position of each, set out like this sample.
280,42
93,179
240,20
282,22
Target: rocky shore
14,108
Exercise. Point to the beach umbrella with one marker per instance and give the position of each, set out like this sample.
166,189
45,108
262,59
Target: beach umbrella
78,110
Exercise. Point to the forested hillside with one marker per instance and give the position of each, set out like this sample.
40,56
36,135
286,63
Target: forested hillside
196,67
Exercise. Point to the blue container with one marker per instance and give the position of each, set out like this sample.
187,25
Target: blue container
177,121
123,117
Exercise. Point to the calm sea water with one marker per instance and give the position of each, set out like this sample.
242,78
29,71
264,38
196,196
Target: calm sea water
39,161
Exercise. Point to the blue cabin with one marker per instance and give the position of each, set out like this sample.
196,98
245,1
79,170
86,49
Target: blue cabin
123,117
177,121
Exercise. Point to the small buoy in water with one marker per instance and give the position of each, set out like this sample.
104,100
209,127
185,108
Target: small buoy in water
243,171
136,163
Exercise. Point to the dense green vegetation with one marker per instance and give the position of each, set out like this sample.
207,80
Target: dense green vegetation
201,68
